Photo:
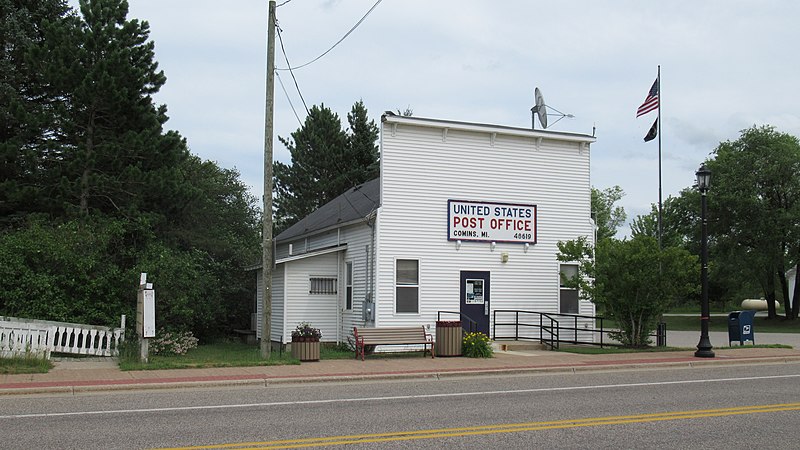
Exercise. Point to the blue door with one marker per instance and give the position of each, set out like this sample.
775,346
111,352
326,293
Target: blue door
475,299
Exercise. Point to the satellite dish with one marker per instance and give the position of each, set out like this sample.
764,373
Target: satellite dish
540,110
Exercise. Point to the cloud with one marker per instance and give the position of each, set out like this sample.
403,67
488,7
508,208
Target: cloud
726,65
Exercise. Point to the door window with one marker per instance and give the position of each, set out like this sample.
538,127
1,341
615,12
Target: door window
474,292
567,296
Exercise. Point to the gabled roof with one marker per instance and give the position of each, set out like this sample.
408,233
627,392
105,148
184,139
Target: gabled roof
354,205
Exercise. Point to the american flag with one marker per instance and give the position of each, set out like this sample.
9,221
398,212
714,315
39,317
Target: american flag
651,102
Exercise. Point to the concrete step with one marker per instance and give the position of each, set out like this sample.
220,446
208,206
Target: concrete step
510,346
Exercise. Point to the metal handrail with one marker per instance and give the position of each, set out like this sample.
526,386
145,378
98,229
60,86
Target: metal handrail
473,325
549,333
549,327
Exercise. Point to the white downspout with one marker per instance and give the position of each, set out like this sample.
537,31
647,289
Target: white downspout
339,309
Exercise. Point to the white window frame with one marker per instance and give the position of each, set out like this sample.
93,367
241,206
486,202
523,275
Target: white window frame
398,286
348,285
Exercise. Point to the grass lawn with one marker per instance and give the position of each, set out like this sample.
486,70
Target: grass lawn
217,354
24,364
720,323
236,354
689,320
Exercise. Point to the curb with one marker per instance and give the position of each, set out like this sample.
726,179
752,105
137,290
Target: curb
266,382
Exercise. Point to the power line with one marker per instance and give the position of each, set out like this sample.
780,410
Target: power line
334,45
291,71
283,50
289,99
287,1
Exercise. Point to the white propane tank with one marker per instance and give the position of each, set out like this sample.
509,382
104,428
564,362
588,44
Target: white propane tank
757,304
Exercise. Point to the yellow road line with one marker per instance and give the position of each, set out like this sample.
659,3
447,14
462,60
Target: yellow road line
499,428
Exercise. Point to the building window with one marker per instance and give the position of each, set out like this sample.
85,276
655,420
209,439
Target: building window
567,296
348,281
322,285
407,286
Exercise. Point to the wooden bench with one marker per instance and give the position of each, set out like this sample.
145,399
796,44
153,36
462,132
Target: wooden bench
392,336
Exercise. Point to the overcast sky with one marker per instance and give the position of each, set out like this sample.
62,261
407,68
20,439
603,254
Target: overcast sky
725,66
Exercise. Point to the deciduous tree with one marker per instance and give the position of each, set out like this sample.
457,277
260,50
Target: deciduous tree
607,216
631,281
755,206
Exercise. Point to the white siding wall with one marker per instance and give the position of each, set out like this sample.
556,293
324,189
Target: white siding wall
292,286
276,324
278,321
321,311
306,244
358,239
421,169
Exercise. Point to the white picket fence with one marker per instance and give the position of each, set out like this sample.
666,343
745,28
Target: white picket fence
20,337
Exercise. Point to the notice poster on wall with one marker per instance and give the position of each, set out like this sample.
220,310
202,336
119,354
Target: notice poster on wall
149,311
474,292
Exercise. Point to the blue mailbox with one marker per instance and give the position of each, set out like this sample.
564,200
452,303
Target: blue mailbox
740,327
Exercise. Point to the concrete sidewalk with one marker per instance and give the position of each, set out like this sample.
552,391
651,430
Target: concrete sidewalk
70,377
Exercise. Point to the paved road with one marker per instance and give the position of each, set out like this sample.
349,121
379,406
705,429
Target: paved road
716,407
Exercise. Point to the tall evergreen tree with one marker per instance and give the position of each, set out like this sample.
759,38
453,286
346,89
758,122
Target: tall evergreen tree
326,162
83,141
364,162
112,154
25,106
314,175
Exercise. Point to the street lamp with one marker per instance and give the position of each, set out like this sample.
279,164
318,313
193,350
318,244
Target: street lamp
703,183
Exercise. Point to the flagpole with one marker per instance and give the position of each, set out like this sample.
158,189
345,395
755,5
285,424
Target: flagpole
660,228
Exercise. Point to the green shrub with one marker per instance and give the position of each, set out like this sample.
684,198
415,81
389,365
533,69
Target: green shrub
477,345
65,272
86,271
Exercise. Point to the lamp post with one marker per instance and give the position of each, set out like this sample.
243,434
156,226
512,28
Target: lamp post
703,183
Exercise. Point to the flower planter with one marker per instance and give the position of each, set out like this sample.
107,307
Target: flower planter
448,338
305,342
305,349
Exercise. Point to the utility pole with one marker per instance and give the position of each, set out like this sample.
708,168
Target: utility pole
266,260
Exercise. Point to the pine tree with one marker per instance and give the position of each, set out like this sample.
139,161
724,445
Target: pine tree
314,177
25,107
326,162
83,142
113,156
362,145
